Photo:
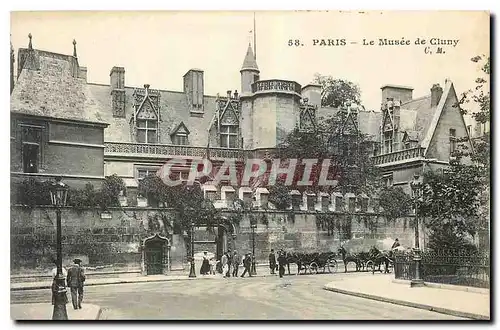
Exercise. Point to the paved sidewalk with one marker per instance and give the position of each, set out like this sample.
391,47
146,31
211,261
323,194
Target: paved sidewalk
30,312
381,287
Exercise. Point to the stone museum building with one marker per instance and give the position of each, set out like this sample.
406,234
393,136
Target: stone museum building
64,125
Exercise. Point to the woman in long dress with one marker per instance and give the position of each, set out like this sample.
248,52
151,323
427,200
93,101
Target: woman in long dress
205,266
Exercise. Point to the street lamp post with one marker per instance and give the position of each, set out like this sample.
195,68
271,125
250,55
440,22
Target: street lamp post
416,187
253,270
58,195
192,271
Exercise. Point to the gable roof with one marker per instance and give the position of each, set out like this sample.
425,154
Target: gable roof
49,86
179,127
449,90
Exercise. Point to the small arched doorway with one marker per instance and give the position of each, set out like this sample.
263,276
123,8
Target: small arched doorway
156,255
225,239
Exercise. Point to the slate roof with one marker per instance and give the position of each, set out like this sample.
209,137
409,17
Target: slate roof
46,87
174,109
415,117
249,62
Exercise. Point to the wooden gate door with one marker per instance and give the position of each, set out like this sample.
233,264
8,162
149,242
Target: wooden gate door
154,257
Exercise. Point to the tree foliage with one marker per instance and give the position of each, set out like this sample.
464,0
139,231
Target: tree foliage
103,198
395,203
279,195
187,200
338,140
455,201
451,204
337,92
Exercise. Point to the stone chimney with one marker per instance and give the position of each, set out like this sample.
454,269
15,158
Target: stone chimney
194,89
82,73
117,82
397,93
312,92
436,93
117,77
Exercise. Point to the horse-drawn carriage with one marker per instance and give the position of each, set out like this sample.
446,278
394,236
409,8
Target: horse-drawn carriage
312,263
369,261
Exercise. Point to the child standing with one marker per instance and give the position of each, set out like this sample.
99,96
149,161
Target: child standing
212,266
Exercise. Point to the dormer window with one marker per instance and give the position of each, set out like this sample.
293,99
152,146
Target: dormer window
144,122
146,131
180,135
229,136
227,120
180,139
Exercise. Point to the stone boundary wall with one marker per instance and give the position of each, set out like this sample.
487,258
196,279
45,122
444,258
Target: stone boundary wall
112,240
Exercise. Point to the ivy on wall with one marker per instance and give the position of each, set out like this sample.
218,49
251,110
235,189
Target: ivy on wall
33,193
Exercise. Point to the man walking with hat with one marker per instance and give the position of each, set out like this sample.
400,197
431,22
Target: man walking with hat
75,280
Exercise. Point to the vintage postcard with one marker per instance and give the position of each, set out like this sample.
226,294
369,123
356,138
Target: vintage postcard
267,165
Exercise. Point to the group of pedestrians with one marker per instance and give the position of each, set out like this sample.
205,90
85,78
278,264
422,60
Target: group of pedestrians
228,265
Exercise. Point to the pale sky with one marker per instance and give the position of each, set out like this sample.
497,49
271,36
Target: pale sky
158,48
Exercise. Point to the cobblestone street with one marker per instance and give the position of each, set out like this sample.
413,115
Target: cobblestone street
293,297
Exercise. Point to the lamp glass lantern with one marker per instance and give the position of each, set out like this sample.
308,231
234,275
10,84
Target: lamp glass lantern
59,193
416,185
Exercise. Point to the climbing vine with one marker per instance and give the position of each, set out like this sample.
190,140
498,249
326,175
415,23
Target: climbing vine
33,193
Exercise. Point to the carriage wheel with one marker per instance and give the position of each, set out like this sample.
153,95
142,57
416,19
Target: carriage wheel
313,268
370,266
332,265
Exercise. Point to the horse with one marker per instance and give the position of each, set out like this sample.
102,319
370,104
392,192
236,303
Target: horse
363,258
378,257
294,258
347,258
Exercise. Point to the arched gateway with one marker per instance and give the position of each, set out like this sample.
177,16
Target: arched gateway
223,239
155,255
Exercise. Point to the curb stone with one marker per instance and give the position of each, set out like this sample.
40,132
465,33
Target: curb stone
410,304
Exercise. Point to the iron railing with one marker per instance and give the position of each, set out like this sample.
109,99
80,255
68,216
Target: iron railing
276,85
446,267
128,148
398,156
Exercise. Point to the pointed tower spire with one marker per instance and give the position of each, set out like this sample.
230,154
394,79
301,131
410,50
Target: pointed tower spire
30,46
250,63
74,48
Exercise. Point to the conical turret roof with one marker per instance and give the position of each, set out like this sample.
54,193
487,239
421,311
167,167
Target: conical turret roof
250,63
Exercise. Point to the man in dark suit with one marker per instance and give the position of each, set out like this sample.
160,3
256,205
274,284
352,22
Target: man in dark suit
75,280
272,261
281,262
247,262
236,263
